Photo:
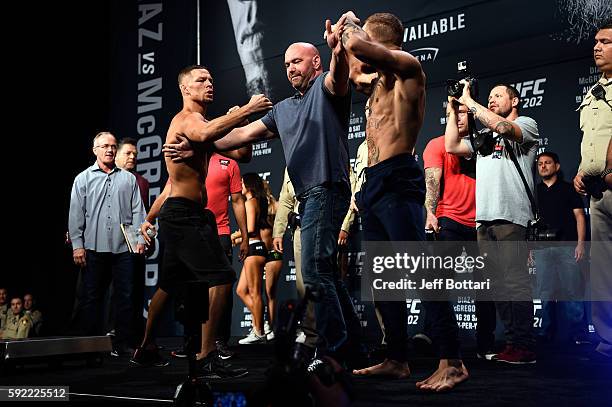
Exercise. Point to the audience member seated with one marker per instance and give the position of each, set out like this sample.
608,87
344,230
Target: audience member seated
30,309
4,308
18,324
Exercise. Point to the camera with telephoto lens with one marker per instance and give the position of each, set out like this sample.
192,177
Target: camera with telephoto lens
454,87
538,231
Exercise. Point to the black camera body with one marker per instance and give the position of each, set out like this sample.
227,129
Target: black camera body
483,141
453,86
594,185
293,220
538,231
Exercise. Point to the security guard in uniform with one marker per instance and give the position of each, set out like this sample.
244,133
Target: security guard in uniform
18,324
595,178
29,308
4,308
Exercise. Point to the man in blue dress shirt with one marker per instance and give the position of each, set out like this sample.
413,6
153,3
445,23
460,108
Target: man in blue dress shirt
103,197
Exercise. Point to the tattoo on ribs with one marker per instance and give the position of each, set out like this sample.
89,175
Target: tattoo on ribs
373,152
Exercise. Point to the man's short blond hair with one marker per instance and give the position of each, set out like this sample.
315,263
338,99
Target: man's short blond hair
103,133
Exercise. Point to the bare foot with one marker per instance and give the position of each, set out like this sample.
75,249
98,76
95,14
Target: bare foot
390,368
450,373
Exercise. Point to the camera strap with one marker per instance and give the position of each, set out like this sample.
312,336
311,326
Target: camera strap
534,208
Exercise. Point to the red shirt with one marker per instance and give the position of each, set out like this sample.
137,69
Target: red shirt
222,180
458,200
143,186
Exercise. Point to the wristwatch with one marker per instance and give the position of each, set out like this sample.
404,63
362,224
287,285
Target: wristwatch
605,173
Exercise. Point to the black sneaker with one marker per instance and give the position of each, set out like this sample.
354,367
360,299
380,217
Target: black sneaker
581,339
148,356
486,354
224,350
119,351
213,367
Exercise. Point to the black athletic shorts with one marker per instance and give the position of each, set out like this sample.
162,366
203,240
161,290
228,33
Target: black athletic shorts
273,255
257,249
192,250
226,244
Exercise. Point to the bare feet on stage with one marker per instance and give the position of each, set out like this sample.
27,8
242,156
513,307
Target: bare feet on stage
450,373
389,368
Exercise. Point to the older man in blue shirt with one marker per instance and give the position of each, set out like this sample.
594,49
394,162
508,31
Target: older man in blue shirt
103,197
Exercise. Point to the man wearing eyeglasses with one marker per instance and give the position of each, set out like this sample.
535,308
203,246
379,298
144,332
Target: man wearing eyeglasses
104,197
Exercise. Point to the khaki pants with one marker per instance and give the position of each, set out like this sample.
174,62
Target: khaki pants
309,320
601,276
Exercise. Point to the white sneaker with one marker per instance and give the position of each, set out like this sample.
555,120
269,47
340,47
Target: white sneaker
301,338
252,338
268,331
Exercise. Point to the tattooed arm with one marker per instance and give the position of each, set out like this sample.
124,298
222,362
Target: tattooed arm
433,175
502,126
359,44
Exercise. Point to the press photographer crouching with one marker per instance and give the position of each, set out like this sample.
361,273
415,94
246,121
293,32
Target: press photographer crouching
558,272
504,177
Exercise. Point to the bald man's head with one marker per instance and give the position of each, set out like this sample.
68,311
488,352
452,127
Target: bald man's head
303,64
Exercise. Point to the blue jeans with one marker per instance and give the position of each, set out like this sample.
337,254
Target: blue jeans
101,269
559,276
322,210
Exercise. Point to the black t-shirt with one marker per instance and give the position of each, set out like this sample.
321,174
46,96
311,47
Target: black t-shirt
556,204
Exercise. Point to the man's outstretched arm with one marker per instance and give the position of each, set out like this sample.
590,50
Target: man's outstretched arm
241,136
202,131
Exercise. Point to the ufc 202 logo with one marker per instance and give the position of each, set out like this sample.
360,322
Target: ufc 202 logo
531,93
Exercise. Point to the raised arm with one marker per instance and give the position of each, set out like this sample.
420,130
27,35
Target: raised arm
337,80
359,44
502,126
453,143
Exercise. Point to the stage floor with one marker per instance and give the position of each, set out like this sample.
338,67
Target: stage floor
562,376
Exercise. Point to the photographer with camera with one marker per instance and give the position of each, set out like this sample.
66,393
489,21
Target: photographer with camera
504,165
558,272
595,178
450,202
